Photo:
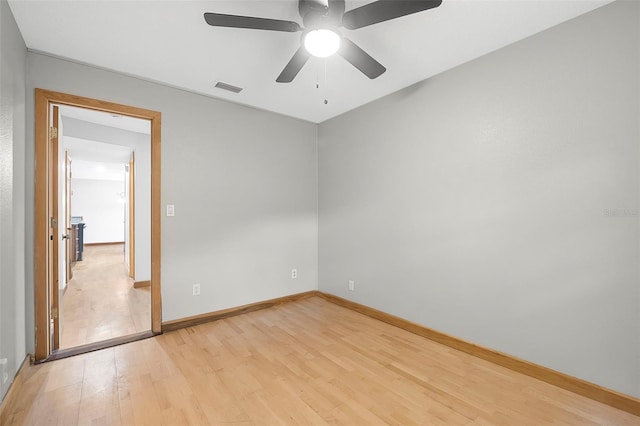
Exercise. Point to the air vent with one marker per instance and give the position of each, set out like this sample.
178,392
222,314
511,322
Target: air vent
228,87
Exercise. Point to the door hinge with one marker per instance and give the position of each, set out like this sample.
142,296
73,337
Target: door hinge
54,313
53,222
53,132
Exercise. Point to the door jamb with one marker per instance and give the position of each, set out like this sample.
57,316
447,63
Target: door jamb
67,220
132,217
43,99
54,284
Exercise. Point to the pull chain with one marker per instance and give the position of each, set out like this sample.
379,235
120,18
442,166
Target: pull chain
325,81
326,101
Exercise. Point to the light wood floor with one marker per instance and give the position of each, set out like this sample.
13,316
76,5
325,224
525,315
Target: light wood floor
100,302
308,362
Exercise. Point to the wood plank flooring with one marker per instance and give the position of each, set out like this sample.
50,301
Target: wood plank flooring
307,362
100,302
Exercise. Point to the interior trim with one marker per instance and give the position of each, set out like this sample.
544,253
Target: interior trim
14,390
573,384
140,284
43,100
96,346
53,204
231,312
132,216
104,244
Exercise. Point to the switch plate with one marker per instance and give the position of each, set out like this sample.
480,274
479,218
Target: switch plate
171,210
352,285
294,273
196,289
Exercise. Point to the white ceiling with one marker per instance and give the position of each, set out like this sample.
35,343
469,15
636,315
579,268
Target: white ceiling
86,150
124,122
81,169
169,42
96,160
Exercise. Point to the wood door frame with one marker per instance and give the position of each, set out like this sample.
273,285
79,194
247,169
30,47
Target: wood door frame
67,220
53,284
132,217
43,100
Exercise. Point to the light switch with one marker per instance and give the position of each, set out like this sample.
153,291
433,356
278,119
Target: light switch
171,210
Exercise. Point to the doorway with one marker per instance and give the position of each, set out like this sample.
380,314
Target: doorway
102,294
57,243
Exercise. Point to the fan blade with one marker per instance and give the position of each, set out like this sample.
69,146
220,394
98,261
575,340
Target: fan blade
360,59
235,21
383,10
294,66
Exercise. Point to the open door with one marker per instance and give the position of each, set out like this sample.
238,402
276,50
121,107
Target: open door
53,282
69,246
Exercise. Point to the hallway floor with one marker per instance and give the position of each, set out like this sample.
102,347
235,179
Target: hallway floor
100,302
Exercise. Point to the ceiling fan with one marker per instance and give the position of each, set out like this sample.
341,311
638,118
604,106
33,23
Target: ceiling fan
320,34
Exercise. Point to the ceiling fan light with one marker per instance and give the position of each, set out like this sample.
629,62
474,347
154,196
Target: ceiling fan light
322,43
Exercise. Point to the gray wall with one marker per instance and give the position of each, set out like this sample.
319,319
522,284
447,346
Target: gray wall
498,201
12,198
243,182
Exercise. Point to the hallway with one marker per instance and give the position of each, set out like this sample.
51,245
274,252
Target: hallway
100,302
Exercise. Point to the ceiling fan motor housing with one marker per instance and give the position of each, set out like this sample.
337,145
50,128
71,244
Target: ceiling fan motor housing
318,14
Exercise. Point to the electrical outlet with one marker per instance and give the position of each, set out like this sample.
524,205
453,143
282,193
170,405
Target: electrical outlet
5,374
294,273
352,285
196,289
